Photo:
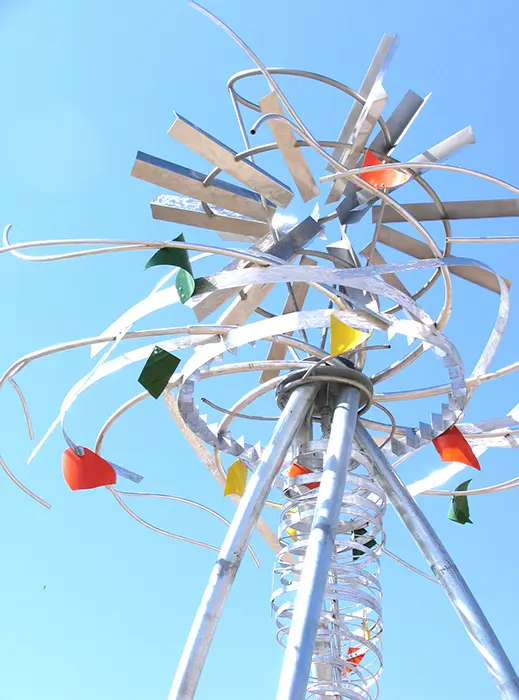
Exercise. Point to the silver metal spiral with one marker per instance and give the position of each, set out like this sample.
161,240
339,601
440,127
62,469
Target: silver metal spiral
347,658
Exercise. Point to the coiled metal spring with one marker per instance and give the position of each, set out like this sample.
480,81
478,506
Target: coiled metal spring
347,658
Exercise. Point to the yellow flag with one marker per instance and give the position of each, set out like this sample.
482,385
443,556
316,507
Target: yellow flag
344,338
365,627
292,533
236,479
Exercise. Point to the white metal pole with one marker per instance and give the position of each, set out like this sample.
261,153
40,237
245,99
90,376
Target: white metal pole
231,554
314,575
472,617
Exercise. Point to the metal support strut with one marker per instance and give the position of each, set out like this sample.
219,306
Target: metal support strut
321,543
231,554
444,568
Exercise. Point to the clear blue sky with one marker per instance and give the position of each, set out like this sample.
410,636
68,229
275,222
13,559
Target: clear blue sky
84,86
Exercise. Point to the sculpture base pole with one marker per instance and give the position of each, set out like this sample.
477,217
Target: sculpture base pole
231,554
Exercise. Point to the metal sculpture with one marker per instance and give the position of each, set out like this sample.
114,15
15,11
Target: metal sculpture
329,462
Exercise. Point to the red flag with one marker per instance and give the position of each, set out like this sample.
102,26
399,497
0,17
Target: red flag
297,470
382,179
452,447
87,471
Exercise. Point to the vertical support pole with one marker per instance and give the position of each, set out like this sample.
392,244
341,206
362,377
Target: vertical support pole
321,543
472,617
231,554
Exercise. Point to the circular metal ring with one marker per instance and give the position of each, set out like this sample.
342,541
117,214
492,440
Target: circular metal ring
330,375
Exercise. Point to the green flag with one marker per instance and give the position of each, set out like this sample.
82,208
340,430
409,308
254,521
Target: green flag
157,371
459,510
176,257
369,544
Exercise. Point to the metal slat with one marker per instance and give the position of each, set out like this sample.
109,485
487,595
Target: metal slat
222,156
302,234
366,123
418,249
477,209
286,141
399,122
187,211
376,70
189,182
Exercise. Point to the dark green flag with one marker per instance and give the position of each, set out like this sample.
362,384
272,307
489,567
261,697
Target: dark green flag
175,257
157,371
459,510
369,544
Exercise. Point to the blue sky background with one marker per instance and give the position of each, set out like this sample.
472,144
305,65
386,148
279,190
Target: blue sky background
86,85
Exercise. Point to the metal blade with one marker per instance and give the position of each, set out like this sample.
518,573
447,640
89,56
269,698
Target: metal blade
188,182
302,234
376,70
286,141
477,209
418,249
222,156
187,211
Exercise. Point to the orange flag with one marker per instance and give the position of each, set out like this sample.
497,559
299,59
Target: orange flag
298,470
452,447
382,179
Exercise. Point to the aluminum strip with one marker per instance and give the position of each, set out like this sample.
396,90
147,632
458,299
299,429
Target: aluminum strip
301,235
222,156
369,116
188,211
418,249
399,122
294,158
477,209
376,70
190,183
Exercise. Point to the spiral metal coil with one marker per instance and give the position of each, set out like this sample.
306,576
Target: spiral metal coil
347,658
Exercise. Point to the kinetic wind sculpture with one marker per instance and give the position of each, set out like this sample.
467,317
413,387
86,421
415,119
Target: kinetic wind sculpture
330,463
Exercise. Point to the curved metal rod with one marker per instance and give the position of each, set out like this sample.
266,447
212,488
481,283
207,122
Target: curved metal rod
188,502
393,424
140,520
302,74
422,166
21,486
238,415
24,406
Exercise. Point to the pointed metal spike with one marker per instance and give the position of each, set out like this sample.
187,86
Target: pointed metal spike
391,332
425,431
412,438
398,448
437,423
448,413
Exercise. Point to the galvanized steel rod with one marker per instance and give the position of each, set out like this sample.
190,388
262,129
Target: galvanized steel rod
314,575
472,617
231,554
